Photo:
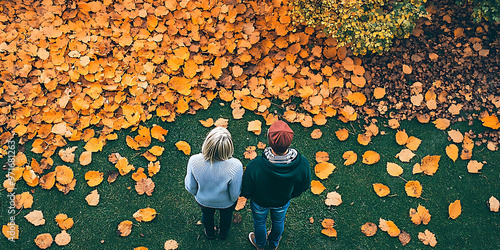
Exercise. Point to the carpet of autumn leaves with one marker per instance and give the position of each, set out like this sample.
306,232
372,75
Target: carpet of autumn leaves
70,66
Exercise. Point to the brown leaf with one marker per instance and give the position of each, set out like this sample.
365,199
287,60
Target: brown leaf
145,185
427,238
316,134
124,228
44,241
404,238
35,217
369,229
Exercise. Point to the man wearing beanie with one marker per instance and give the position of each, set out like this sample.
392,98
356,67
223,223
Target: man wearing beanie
271,180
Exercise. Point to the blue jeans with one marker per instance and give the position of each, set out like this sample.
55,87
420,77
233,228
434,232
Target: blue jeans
277,224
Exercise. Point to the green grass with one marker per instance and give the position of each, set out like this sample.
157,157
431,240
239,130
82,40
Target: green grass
178,214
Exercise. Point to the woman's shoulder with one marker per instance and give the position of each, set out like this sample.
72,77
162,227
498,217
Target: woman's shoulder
197,157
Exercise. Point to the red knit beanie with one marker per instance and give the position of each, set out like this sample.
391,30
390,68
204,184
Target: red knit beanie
279,136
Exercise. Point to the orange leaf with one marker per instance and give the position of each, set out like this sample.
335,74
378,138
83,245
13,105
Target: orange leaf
85,158
158,132
156,150
145,214
356,98
322,156
123,166
241,203
23,200
317,187
94,145
11,231
370,157
327,223
407,69
491,122
421,215
474,166
64,175
94,178
413,143
342,134
369,229
316,134
442,123
330,232
427,238
389,227
64,222
184,147
351,157
455,209
153,168
401,137
207,123
124,228
364,138
323,170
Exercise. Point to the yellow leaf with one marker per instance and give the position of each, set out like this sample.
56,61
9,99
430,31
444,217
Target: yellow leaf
442,123
413,189
255,127
401,137
455,209
430,164
330,232
413,143
342,134
381,189
64,222
356,98
156,150
158,133
394,169
452,152
389,227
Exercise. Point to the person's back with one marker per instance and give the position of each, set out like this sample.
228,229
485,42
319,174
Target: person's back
271,180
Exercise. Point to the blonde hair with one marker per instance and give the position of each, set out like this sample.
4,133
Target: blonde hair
218,145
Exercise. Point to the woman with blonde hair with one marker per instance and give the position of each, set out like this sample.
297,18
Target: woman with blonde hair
214,178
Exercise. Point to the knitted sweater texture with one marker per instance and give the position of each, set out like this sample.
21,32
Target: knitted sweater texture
215,185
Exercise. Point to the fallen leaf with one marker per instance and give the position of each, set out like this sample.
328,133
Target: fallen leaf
221,122
491,121
64,175
93,198
370,157
413,143
23,200
474,167
333,199
255,127
158,132
207,123
85,158
381,189
11,231
405,155
35,217
342,134
369,229
427,238
407,69
64,222
456,136
145,214
171,245
184,147
316,134
404,238
44,241
67,154
94,178
153,168
364,138
452,152
327,223
393,123
421,215
322,156
330,232
124,228
430,164
156,150
442,123
242,201
401,137
63,238
389,227
317,187
323,170
413,189
145,185
139,175
350,158
494,204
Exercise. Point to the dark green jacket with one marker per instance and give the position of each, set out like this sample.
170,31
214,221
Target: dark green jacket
273,185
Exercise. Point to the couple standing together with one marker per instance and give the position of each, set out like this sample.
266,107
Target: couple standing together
270,181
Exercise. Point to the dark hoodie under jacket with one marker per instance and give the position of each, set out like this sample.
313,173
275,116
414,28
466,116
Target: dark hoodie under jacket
273,185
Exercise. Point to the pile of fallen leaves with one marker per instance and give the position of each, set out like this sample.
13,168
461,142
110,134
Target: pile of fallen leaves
447,69
68,66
